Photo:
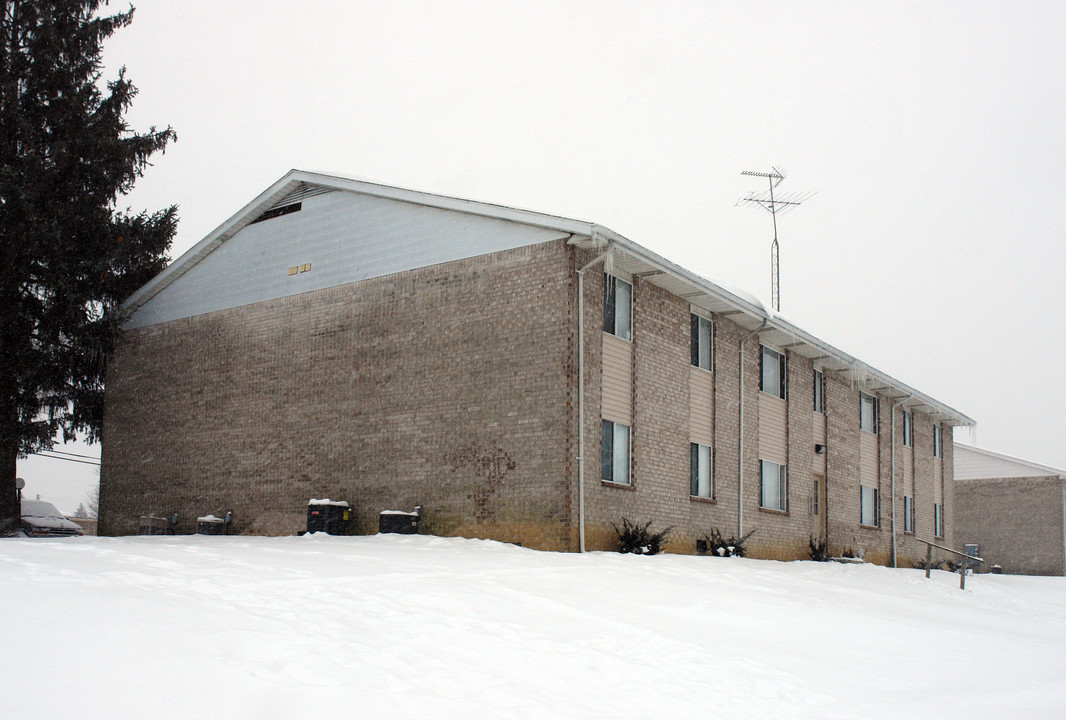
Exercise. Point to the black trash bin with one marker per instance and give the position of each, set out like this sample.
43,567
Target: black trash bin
398,521
210,525
332,517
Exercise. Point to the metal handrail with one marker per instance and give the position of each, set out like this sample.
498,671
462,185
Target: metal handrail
962,568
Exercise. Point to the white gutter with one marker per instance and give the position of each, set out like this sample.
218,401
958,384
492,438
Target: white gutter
581,398
777,323
740,462
892,465
579,229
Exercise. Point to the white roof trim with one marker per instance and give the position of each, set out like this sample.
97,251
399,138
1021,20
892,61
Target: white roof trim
750,313
1043,469
739,306
294,178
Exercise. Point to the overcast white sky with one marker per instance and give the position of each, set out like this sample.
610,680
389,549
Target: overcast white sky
931,132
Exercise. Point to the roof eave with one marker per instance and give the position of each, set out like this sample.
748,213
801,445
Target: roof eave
292,179
752,314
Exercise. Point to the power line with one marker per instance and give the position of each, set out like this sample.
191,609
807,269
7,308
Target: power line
63,452
68,459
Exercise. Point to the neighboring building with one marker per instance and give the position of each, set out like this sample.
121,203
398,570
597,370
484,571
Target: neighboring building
522,377
87,524
1014,509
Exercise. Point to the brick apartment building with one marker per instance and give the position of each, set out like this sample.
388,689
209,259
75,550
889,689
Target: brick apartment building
1015,510
522,377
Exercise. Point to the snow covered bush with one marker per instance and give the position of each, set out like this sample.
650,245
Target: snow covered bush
715,544
637,539
819,550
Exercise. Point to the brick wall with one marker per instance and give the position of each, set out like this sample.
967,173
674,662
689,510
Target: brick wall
455,387
659,491
842,465
660,479
1016,521
447,386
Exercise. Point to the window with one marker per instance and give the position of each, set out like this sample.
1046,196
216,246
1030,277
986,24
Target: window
773,372
938,520
938,441
617,307
819,392
614,452
868,506
702,342
867,412
772,490
908,429
701,476
814,499
908,514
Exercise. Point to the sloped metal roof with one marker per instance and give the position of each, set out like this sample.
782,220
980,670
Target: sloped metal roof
738,306
974,463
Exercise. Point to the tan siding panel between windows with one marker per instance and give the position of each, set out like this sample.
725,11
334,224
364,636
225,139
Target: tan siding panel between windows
773,445
617,380
867,458
818,462
701,406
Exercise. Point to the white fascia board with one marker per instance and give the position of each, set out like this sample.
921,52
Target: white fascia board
294,178
902,390
444,202
585,233
1043,469
187,260
601,235
758,314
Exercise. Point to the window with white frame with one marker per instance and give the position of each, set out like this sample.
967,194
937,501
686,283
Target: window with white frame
908,428
772,372
614,452
908,514
701,473
938,441
702,342
773,486
868,506
938,520
617,307
819,392
867,412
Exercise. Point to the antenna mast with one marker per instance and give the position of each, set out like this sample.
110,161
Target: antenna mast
768,202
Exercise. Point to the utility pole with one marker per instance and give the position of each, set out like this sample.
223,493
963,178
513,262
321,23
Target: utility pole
768,202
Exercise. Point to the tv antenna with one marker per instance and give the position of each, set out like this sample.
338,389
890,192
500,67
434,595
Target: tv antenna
767,201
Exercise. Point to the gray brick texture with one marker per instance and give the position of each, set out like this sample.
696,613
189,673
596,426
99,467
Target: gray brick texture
445,387
455,387
1016,521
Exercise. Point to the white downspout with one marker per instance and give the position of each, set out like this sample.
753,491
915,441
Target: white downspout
581,398
892,465
740,462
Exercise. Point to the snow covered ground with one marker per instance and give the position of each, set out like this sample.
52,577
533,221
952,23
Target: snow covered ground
404,626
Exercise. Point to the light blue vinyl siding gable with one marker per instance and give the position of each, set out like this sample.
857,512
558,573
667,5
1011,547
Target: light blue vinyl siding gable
345,237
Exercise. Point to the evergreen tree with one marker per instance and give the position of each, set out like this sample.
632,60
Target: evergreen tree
68,255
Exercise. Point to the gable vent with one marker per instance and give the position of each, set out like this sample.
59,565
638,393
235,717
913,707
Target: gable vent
302,192
277,211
